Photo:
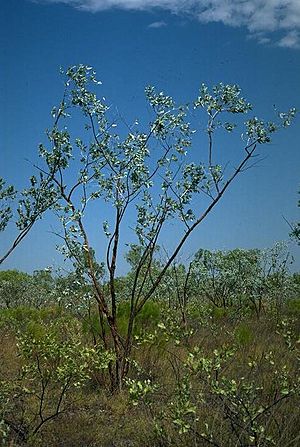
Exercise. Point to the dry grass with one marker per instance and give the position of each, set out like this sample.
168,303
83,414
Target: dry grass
95,418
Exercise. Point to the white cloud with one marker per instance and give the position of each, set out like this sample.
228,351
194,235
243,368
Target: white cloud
290,40
258,16
160,24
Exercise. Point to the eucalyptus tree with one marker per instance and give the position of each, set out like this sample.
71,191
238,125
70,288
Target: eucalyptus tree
178,287
13,287
243,277
227,278
151,176
277,283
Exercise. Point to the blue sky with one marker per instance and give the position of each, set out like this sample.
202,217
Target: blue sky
175,46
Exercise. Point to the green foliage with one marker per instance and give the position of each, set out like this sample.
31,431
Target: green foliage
243,404
243,334
219,312
224,276
35,200
287,329
55,361
225,98
294,306
31,204
22,316
56,353
140,390
6,195
13,276
18,288
13,287
244,278
182,408
224,382
146,320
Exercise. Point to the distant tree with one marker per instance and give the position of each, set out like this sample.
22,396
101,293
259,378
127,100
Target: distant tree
154,175
13,286
21,289
243,277
223,277
178,287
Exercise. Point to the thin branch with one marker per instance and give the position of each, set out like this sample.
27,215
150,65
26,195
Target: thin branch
237,171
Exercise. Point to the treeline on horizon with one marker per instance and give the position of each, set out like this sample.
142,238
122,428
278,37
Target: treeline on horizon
220,277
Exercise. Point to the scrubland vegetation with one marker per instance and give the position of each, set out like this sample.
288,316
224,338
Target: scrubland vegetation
215,357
